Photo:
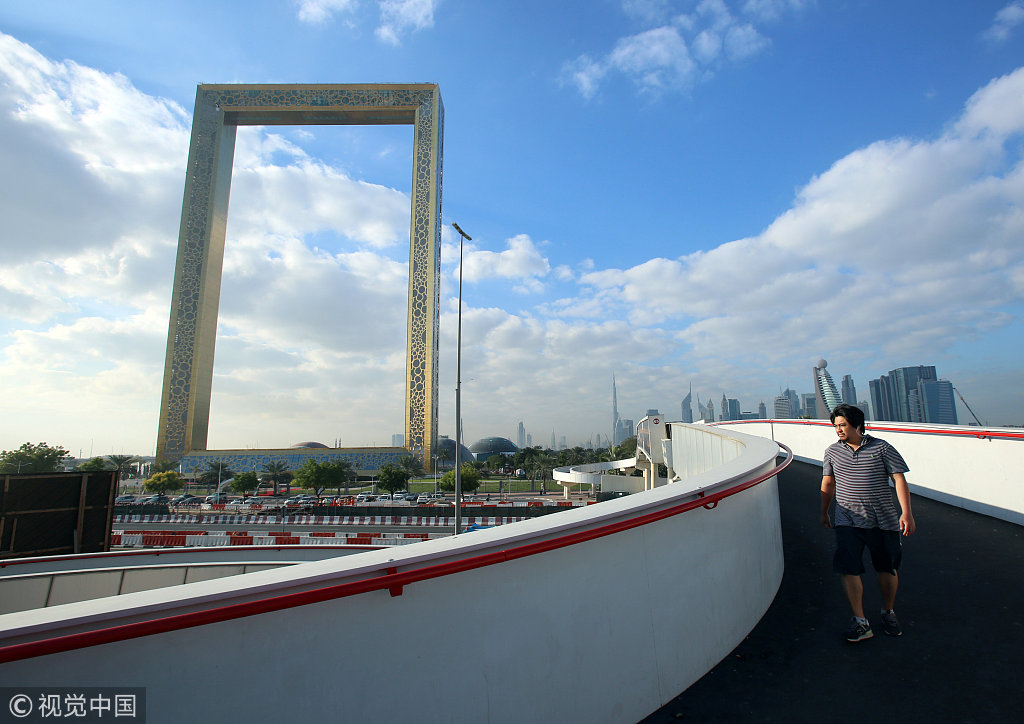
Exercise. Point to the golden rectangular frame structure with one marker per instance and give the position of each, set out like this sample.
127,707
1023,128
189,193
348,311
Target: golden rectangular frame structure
192,332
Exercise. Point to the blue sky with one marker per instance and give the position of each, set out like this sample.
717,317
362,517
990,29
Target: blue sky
716,192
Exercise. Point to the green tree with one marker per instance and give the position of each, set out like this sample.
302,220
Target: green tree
244,482
443,455
164,482
411,464
217,472
322,475
94,464
163,466
276,472
470,479
123,463
29,458
392,478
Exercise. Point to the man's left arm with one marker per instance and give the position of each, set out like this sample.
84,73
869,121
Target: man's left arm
907,524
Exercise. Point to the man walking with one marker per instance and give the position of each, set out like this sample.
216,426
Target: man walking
856,472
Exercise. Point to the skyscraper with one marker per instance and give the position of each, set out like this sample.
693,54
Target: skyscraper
762,411
711,412
826,396
937,403
687,408
783,407
521,435
849,390
724,414
891,397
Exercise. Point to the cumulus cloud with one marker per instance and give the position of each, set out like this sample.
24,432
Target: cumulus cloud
681,49
398,17
318,12
894,252
520,261
1006,20
91,220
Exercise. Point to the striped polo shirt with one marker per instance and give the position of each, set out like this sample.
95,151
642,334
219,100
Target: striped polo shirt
863,499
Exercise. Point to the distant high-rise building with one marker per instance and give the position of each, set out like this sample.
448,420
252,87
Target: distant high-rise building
398,439
849,392
891,397
561,443
521,435
794,402
762,411
809,405
826,396
702,410
529,439
734,409
724,414
937,403
687,407
863,405
783,408
553,440
710,417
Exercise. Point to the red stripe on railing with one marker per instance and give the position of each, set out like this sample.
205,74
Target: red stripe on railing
981,432
384,581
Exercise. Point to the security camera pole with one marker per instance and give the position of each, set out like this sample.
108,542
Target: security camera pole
463,236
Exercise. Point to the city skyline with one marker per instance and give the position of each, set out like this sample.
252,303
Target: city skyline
666,190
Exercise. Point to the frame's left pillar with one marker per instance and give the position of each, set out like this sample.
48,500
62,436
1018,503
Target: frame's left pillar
192,332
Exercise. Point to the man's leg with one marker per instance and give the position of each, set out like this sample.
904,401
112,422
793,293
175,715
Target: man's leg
888,583
854,588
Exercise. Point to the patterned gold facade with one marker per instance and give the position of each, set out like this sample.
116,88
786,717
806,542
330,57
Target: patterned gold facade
191,338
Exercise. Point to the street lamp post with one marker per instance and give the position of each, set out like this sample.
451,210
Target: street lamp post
463,236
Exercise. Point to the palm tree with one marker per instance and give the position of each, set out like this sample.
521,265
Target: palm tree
276,472
216,473
444,454
122,463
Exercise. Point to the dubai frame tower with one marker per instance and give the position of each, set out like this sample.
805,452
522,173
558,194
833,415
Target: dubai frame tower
191,337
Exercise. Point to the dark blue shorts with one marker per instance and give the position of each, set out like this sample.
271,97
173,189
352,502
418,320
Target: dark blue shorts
885,547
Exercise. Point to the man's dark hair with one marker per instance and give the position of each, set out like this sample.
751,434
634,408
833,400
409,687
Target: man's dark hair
853,415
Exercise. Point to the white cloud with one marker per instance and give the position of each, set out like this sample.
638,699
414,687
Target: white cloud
398,17
1006,20
319,12
679,50
521,261
896,251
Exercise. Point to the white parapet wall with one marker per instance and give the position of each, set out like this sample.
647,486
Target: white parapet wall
973,468
600,613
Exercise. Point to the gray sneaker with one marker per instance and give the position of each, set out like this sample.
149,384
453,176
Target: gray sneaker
891,624
858,631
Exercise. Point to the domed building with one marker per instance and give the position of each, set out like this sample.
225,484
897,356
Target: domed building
310,444
448,444
485,447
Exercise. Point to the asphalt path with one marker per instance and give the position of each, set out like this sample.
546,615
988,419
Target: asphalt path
961,603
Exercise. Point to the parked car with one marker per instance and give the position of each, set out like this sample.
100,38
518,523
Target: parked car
186,499
423,499
158,499
125,500
362,498
220,497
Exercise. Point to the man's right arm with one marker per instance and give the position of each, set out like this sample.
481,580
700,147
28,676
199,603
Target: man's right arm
828,492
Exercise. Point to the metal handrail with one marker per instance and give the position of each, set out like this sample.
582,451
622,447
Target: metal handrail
391,580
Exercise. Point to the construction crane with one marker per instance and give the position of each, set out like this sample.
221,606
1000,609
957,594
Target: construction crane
980,424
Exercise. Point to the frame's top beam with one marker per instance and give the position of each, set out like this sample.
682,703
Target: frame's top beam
320,104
